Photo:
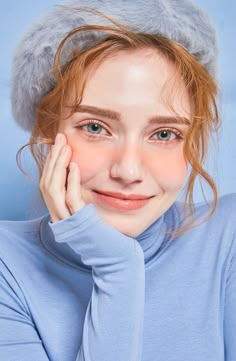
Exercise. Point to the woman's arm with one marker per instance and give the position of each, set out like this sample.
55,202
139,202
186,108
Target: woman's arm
113,322
19,340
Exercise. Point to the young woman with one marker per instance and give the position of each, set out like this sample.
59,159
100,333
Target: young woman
120,100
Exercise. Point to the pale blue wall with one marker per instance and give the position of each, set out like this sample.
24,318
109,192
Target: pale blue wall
18,195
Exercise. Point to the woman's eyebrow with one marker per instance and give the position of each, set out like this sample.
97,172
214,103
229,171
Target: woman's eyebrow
107,113
111,114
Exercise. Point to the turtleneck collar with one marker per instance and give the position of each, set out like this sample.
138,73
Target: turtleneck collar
152,240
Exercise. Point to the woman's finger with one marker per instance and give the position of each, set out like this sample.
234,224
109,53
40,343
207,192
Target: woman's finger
52,157
52,184
59,173
56,189
74,200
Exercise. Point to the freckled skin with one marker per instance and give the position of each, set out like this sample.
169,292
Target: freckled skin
124,159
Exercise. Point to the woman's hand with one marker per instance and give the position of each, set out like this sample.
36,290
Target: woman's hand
60,181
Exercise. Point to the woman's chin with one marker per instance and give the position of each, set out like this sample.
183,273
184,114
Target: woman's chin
129,226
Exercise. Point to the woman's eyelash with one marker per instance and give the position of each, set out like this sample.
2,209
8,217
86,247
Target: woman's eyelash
177,133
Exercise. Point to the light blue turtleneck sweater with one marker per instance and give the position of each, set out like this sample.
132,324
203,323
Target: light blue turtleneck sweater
80,290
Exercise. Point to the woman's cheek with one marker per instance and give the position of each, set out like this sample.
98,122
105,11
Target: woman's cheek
169,170
90,159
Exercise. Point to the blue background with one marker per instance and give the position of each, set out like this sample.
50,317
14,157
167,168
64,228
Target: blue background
19,196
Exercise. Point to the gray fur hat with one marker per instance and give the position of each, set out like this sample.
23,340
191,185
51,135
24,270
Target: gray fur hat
179,20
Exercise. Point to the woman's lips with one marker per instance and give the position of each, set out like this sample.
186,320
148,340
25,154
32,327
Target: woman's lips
119,203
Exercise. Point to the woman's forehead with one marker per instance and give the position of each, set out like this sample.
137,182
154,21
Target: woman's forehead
136,79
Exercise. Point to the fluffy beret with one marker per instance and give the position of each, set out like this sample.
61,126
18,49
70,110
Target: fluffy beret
179,20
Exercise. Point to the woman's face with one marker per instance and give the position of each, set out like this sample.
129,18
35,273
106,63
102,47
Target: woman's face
126,138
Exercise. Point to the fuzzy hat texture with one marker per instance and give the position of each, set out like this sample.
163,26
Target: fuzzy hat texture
178,20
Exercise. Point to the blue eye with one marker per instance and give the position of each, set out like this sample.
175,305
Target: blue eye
94,127
165,135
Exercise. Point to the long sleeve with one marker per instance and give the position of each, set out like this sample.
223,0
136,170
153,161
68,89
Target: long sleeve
113,323
230,312
19,340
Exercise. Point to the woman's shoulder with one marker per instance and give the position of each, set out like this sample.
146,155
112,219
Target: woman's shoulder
18,228
224,216
215,234
219,229
225,209
227,202
18,237
220,226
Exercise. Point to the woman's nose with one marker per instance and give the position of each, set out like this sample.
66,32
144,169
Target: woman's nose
127,164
